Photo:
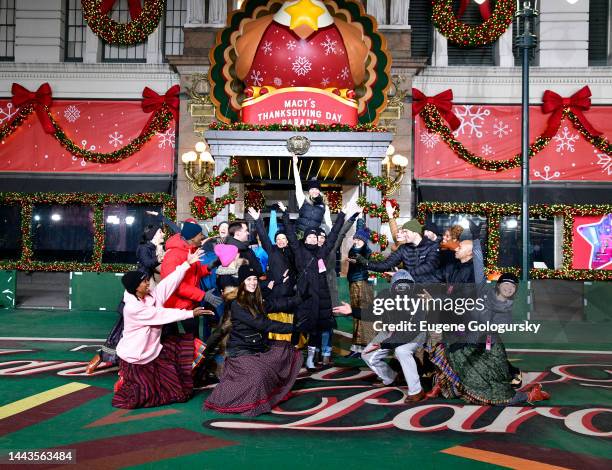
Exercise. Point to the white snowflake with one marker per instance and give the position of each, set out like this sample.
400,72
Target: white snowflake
166,138
605,162
278,81
547,176
487,150
566,141
302,66
500,129
8,114
344,74
471,121
256,78
429,139
291,45
325,82
115,139
267,48
329,45
72,113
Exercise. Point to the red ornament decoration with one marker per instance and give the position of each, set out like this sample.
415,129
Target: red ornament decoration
255,199
205,209
41,100
442,101
577,103
153,102
334,201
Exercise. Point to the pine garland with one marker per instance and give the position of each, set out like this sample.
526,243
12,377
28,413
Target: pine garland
206,209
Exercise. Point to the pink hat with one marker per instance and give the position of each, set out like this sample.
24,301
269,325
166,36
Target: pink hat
226,253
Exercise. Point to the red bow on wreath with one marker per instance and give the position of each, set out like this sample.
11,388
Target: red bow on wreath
152,101
134,6
485,9
41,100
577,103
442,101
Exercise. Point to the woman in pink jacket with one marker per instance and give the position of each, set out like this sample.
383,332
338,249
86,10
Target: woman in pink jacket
152,372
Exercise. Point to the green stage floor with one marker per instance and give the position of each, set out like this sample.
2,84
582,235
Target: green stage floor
337,419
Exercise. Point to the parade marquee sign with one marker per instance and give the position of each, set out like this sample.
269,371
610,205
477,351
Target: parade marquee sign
301,106
300,63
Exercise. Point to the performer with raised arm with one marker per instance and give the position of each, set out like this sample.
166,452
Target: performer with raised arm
312,206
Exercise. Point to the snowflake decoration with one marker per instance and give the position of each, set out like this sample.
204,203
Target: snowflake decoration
547,176
8,114
166,138
256,78
325,82
487,150
291,45
302,66
115,139
500,129
566,141
605,162
72,113
344,74
429,139
278,81
267,48
329,46
471,121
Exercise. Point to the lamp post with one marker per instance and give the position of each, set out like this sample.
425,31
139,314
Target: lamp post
199,166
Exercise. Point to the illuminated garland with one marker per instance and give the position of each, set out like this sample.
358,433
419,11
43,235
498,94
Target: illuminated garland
435,124
377,257
159,123
224,177
443,17
97,201
123,34
494,213
205,209
378,211
363,175
334,201
241,126
255,199
378,238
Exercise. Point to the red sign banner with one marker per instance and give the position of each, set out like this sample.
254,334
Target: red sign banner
301,106
102,126
494,132
592,242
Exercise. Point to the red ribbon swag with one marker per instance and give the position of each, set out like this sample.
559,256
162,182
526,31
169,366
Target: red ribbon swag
442,101
133,5
41,100
164,108
577,103
485,9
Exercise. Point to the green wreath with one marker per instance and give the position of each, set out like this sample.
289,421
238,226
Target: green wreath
123,34
464,35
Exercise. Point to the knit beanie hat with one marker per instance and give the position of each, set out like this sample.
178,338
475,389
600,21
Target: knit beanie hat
311,231
149,232
362,234
402,276
313,183
413,225
430,226
322,233
508,277
280,232
190,229
244,272
132,279
226,253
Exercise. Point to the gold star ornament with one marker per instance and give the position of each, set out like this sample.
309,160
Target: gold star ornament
305,13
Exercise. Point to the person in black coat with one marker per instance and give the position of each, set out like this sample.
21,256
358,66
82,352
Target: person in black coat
419,255
316,312
281,263
238,235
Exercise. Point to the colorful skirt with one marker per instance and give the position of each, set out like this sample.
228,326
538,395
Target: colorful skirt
165,380
470,372
255,383
361,294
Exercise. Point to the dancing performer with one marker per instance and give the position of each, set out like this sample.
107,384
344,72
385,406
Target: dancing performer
316,312
258,373
312,205
152,371
239,237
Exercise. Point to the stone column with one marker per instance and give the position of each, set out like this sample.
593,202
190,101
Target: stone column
221,163
195,13
440,50
378,9
38,31
503,49
400,10
557,47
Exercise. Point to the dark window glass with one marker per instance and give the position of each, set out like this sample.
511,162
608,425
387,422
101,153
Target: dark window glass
124,225
7,30
113,53
75,32
446,221
175,18
542,239
10,232
421,29
62,232
599,24
483,55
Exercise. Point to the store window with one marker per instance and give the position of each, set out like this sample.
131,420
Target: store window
483,55
124,225
599,32
7,30
62,233
542,240
447,221
75,32
174,20
10,232
112,53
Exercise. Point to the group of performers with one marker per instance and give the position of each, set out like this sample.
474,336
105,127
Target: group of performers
264,318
